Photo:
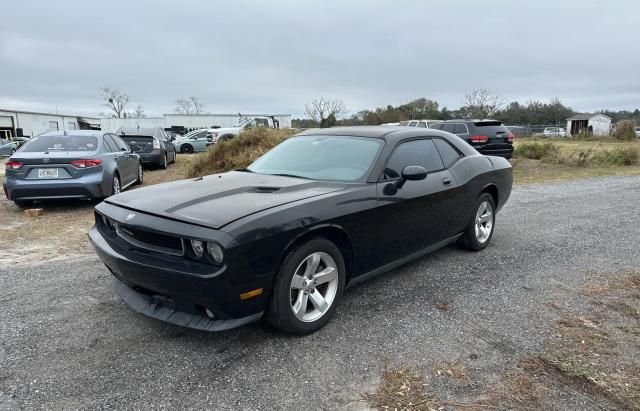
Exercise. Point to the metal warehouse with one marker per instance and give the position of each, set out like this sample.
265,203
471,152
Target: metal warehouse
188,121
15,123
596,124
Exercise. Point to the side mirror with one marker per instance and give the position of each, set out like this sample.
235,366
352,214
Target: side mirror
411,173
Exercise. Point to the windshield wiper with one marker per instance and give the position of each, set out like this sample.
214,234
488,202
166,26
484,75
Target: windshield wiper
289,175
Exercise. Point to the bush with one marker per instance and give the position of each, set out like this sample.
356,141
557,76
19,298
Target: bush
625,130
619,156
238,152
537,150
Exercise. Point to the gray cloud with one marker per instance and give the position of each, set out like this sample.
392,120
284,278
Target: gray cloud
274,56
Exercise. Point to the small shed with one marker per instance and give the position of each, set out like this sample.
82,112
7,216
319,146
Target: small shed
597,124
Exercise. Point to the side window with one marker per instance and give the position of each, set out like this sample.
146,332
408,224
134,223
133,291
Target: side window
422,124
448,127
413,153
460,128
262,122
437,126
412,124
122,146
447,152
109,144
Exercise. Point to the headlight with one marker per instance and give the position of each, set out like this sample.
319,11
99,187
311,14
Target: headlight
215,252
198,248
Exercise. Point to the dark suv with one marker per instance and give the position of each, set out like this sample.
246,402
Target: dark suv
489,137
153,145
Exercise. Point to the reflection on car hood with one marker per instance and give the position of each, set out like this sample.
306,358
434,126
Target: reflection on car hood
220,199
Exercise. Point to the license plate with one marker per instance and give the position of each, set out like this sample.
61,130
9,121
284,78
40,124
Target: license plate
48,173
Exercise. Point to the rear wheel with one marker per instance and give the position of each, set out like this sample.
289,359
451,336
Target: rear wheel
308,288
480,228
115,185
140,179
164,164
186,148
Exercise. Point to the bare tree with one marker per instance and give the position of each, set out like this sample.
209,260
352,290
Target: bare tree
137,113
481,103
325,111
115,100
191,105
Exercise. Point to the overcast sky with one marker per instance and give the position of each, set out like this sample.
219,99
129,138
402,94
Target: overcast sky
272,57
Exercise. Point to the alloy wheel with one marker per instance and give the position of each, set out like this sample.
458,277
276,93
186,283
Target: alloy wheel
484,222
314,287
140,173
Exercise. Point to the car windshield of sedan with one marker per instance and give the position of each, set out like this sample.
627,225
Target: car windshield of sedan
334,158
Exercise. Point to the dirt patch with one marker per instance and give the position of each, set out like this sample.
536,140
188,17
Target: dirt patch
61,231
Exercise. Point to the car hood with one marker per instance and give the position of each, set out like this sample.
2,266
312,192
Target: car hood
219,199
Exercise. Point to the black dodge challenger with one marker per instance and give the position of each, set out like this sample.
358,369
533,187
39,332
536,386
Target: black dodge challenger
322,211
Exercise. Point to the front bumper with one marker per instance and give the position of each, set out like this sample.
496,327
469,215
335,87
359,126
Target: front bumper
176,289
87,187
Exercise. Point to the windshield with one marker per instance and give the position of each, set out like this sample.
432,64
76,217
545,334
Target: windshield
190,133
60,143
321,158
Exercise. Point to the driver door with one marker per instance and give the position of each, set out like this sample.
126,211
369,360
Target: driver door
413,217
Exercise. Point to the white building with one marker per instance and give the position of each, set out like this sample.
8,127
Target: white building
14,123
188,121
596,124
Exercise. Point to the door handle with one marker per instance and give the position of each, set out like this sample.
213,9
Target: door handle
446,181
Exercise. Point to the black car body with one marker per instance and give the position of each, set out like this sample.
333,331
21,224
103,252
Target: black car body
489,137
153,145
378,218
70,165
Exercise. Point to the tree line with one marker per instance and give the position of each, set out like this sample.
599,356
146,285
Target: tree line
481,103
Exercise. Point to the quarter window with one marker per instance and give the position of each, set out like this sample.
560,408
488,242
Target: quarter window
449,154
413,153
109,143
460,129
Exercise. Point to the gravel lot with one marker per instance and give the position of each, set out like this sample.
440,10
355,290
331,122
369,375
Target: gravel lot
66,342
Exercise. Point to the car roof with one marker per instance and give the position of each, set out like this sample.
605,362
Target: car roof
391,134
468,120
138,130
91,133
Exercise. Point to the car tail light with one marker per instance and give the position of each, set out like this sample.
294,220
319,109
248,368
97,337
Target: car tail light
14,165
156,144
479,139
510,138
87,163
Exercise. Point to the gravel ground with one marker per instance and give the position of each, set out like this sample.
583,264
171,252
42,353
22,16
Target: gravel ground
66,342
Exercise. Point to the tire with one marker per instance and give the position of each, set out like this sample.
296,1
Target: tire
226,137
480,229
23,203
116,187
288,294
140,178
186,148
164,165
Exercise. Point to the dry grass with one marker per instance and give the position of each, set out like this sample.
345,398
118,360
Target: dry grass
598,353
455,370
400,389
238,152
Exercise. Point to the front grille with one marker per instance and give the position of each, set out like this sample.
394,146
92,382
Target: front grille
140,237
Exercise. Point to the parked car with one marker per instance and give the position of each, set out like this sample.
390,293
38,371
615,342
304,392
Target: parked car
489,137
196,142
520,131
638,132
70,164
417,123
323,210
554,132
227,133
152,144
7,147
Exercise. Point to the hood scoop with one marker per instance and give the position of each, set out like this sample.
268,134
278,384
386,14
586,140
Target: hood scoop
263,189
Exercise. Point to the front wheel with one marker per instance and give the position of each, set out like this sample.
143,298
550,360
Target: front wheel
308,288
480,228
